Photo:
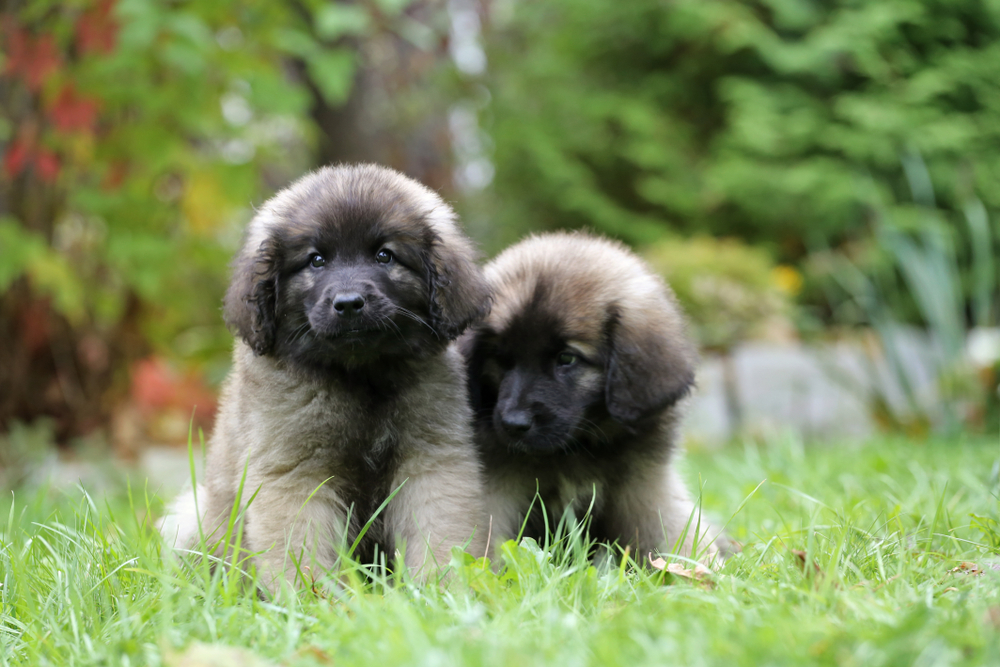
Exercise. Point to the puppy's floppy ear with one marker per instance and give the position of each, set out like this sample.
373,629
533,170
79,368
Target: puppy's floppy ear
250,307
651,364
459,294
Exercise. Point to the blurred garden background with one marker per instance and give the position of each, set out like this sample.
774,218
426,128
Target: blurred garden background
818,180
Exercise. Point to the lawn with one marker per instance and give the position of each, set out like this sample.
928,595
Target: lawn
886,553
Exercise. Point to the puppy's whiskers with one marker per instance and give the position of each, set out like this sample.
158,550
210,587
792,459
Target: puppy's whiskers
592,428
580,446
394,328
416,318
298,333
587,434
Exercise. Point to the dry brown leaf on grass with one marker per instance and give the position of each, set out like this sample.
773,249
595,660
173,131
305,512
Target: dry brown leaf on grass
699,573
214,655
800,557
817,572
967,568
878,586
316,653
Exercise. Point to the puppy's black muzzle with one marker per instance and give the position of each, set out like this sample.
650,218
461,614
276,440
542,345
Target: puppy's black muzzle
348,304
522,417
516,423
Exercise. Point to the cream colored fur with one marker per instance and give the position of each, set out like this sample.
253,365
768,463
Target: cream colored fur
577,279
286,436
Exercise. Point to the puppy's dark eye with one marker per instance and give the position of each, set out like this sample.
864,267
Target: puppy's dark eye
383,256
566,359
316,261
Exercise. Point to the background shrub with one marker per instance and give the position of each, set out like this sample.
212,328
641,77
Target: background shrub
747,119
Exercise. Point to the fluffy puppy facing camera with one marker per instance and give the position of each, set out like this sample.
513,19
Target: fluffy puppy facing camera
575,378
346,296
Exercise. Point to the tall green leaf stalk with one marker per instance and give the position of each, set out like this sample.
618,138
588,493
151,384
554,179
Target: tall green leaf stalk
947,268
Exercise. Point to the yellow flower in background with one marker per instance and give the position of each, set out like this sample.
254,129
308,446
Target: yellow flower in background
787,278
204,203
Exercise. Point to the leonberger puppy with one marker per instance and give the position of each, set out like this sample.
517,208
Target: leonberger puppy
346,386
576,379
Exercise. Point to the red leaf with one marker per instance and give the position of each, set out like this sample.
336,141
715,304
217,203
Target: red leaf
36,326
72,111
47,165
152,384
17,157
31,59
17,47
97,31
157,388
43,59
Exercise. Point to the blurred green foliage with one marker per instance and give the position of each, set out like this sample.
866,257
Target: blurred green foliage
936,268
136,136
751,119
193,118
729,289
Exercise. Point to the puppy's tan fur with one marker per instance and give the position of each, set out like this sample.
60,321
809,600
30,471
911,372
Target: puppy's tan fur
612,447
322,446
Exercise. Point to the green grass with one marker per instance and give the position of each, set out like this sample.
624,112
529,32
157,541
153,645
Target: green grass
882,526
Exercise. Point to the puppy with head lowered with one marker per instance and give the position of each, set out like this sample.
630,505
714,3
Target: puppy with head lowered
350,286
575,378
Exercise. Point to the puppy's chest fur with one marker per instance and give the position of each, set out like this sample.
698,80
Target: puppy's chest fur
356,440
561,482
344,435
342,428
571,482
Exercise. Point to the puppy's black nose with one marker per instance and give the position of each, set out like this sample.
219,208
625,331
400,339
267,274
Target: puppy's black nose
348,304
516,422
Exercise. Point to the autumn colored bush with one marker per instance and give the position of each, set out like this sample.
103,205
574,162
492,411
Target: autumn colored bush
134,138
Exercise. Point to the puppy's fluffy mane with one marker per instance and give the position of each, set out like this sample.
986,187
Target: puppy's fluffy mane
339,200
599,431
585,287
328,411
